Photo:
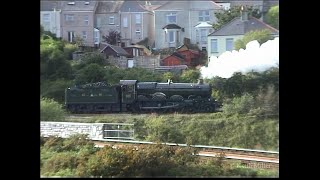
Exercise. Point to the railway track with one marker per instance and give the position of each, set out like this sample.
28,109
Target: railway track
249,158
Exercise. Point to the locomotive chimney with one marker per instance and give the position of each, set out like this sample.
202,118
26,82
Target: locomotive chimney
200,81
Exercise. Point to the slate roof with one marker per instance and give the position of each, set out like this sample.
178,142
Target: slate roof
109,7
139,6
119,50
133,6
238,27
78,5
171,26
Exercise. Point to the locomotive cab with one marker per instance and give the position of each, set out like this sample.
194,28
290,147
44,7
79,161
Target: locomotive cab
128,93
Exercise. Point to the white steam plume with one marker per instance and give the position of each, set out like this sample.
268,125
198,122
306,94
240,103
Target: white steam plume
254,57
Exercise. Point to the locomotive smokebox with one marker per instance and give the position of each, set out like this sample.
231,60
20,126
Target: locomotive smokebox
200,81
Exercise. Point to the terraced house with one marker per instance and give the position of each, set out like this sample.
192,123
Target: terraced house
137,21
177,20
108,17
77,20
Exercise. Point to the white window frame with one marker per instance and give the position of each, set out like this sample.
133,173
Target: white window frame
228,39
84,35
86,19
111,20
138,18
69,17
204,16
171,15
125,21
211,43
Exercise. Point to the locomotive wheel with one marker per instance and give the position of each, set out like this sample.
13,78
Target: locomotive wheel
158,97
176,98
142,98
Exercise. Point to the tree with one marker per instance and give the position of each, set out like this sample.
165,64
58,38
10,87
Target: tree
227,15
78,40
55,89
53,64
272,17
113,37
190,76
90,74
261,36
90,58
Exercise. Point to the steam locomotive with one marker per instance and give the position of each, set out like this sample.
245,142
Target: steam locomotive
136,97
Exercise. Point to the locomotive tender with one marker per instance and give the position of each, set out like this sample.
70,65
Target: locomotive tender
134,96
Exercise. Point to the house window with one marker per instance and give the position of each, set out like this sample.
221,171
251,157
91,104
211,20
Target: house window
125,22
46,21
203,33
46,18
84,34
172,18
86,19
204,16
138,33
171,36
98,22
96,37
111,20
70,36
214,45
229,44
138,18
69,17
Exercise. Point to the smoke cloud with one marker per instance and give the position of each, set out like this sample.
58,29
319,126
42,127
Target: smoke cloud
254,57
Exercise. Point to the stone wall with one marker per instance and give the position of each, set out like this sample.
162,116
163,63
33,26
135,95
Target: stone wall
147,62
65,129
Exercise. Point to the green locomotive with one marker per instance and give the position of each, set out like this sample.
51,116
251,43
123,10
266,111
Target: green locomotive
134,96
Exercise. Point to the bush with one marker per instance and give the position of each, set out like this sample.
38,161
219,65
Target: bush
239,105
68,49
50,110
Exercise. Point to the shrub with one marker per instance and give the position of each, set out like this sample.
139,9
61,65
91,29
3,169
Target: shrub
50,110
